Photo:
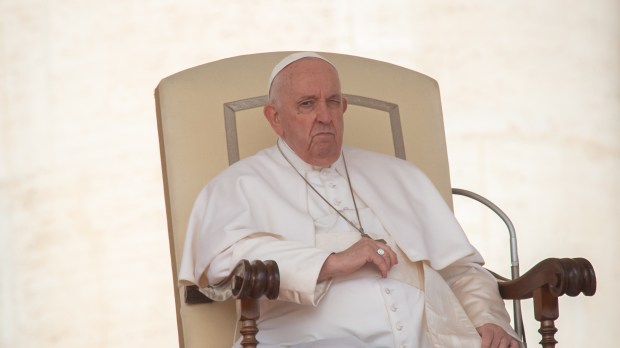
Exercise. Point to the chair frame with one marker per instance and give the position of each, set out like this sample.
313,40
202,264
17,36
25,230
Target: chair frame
251,281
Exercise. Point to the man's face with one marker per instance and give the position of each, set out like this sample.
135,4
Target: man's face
306,110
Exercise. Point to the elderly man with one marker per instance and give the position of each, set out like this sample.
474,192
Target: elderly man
369,253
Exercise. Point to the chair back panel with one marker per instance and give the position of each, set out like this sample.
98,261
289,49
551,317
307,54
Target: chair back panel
204,125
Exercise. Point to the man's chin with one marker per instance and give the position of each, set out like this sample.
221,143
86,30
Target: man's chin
324,153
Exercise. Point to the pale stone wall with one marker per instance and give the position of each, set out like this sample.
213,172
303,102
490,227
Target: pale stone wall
531,96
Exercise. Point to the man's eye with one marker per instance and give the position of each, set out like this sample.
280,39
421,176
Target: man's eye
307,104
333,103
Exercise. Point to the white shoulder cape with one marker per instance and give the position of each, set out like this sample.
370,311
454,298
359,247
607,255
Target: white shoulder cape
262,193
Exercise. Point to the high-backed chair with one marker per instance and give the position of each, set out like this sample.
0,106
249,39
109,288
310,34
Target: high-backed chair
210,116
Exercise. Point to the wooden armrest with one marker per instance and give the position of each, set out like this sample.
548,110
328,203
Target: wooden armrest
545,282
246,281
560,276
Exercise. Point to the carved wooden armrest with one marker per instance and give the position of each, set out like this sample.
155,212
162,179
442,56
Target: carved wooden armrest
247,283
545,282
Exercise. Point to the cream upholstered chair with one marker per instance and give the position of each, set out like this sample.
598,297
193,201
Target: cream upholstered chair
210,116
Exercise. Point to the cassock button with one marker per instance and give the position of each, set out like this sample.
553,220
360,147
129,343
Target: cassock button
399,327
388,291
331,185
394,308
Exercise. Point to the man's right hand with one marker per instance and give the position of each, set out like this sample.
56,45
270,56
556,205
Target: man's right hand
357,256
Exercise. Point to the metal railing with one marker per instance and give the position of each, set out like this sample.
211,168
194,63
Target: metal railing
514,256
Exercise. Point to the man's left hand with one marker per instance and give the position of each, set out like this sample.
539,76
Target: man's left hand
494,336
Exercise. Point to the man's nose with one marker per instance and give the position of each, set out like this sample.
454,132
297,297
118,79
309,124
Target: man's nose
323,113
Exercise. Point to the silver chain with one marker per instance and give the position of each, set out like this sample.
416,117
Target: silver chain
360,229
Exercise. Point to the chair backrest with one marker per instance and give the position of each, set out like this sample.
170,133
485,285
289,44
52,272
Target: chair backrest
211,115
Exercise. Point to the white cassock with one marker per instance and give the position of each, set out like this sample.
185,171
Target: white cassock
259,208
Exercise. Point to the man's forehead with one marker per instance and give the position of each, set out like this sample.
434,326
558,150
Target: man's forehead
308,78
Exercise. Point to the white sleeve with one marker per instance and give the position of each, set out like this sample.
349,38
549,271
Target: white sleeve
299,266
477,291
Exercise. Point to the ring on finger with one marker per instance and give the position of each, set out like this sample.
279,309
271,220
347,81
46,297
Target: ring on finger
380,251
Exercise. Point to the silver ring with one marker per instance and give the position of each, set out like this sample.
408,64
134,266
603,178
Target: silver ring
380,251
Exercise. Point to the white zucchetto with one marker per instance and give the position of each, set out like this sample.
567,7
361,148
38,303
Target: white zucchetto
288,60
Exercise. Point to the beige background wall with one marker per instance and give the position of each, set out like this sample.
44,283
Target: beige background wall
531,93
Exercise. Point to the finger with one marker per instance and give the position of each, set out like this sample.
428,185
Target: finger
389,255
487,338
496,339
380,261
392,255
382,264
509,342
504,342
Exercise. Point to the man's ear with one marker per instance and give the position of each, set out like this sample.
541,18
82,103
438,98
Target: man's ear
344,104
272,115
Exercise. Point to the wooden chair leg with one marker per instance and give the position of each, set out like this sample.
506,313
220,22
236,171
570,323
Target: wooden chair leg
546,311
249,315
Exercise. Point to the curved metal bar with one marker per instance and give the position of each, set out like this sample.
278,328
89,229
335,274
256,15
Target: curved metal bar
514,255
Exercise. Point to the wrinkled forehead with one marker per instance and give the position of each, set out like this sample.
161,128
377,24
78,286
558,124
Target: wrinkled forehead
291,59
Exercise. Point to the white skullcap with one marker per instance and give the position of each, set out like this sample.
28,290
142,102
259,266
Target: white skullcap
288,60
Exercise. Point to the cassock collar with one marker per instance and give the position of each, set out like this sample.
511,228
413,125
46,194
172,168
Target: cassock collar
304,167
